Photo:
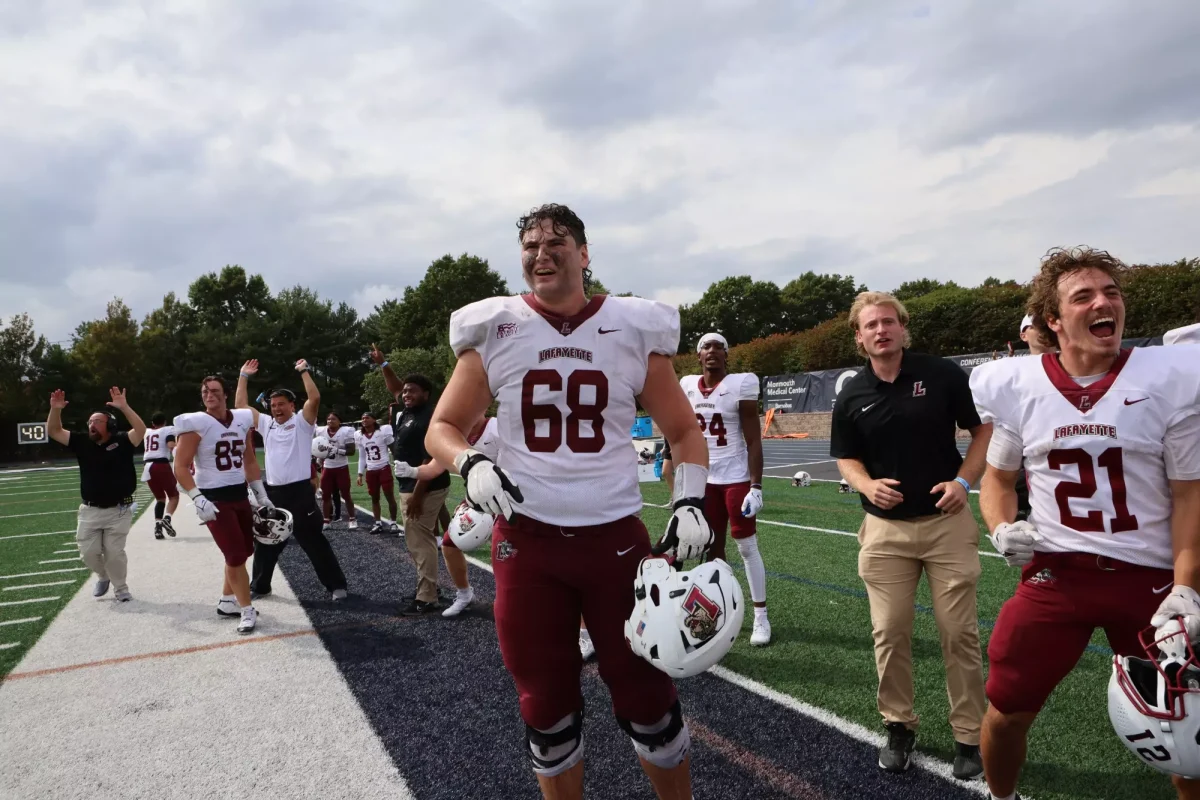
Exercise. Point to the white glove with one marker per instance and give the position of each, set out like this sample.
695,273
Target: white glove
753,503
1183,601
1015,541
688,533
489,488
339,450
404,471
260,494
205,509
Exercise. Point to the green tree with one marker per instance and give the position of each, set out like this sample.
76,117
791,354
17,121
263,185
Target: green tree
910,289
106,351
172,379
435,363
1161,297
739,308
811,299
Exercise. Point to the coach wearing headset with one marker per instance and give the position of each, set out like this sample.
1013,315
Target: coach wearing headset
107,481
287,438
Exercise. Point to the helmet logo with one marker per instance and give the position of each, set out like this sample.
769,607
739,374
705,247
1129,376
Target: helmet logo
702,614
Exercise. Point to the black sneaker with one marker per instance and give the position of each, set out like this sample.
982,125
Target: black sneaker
158,529
167,527
896,755
376,529
418,607
968,763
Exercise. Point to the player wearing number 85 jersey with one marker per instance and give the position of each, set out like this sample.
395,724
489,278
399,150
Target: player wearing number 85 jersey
1110,439
216,442
567,371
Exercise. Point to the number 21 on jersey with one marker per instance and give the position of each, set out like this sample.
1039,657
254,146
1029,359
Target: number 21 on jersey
1112,461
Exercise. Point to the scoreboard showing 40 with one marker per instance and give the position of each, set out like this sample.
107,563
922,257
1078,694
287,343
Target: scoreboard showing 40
32,433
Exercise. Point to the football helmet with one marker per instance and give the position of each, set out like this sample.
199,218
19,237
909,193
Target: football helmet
322,448
1154,702
801,478
684,622
470,528
272,525
844,486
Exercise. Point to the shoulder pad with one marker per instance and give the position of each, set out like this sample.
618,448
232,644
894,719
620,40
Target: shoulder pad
471,326
658,323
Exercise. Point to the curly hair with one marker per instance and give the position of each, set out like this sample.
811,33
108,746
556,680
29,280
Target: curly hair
563,222
1059,262
865,299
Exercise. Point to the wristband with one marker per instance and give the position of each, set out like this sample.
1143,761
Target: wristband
193,492
384,364
963,482
756,486
243,374
691,480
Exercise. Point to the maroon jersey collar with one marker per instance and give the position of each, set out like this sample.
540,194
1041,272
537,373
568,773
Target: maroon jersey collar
1083,398
705,390
565,325
228,417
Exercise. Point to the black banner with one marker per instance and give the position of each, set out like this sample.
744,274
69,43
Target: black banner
816,391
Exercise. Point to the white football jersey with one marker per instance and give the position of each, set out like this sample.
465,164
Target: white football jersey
566,389
156,441
1095,456
373,449
719,419
345,435
219,455
488,442
1188,334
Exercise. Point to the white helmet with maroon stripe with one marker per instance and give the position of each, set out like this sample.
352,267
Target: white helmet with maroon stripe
470,528
684,622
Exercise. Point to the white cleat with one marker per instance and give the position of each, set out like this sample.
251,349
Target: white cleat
249,620
586,648
463,599
761,635
228,608
353,524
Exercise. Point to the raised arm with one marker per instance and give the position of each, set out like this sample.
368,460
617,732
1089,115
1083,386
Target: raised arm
137,430
312,395
394,384
54,428
241,396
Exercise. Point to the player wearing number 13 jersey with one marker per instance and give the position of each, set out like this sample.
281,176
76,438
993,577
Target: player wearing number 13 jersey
1110,439
568,373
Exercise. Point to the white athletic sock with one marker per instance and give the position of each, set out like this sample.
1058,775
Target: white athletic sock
1012,796
756,573
231,598
464,592
760,613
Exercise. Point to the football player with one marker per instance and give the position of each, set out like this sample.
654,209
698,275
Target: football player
1111,444
159,444
372,443
568,371
335,474
218,443
726,406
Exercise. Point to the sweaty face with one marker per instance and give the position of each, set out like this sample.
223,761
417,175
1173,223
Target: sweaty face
879,331
413,395
213,395
1092,312
282,408
552,263
713,356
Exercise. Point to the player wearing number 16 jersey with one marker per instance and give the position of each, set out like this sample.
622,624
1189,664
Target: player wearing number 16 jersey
568,372
1110,439
216,442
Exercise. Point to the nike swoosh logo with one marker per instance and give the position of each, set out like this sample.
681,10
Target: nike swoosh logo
610,330
868,408
626,550
1163,589
1129,402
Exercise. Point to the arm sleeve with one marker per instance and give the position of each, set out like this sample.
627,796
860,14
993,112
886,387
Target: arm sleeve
845,441
1181,449
749,388
1005,450
962,404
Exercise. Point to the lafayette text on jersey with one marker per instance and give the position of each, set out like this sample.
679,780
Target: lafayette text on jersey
222,442
720,419
1094,455
566,388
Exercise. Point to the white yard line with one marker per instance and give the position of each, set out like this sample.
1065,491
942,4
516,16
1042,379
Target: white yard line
9,645
27,535
58,560
35,586
19,621
30,600
43,572
41,513
64,490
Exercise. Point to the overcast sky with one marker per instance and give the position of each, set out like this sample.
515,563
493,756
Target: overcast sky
345,145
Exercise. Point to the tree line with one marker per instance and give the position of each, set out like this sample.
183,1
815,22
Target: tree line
231,315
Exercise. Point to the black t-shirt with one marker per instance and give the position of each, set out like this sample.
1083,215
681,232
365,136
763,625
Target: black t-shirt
905,429
106,474
408,445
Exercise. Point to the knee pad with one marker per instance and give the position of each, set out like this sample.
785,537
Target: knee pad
159,507
756,571
664,744
556,750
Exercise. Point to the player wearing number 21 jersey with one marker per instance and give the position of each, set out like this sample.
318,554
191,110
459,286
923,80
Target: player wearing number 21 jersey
1110,440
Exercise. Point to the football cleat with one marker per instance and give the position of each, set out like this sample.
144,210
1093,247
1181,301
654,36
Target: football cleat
761,635
463,599
167,527
228,608
158,529
353,524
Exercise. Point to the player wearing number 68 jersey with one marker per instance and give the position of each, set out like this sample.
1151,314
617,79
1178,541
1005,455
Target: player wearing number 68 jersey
1110,439
214,441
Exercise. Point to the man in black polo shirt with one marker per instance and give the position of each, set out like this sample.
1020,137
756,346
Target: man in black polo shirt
894,436
424,501
107,481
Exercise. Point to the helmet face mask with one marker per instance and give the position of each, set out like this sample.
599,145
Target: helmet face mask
801,479
272,525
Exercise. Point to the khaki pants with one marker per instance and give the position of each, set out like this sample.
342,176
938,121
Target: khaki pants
101,536
892,556
421,541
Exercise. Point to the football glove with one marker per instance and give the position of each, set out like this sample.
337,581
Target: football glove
1015,541
753,502
1183,601
206,510
489,488
404,471
688,532
260,494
